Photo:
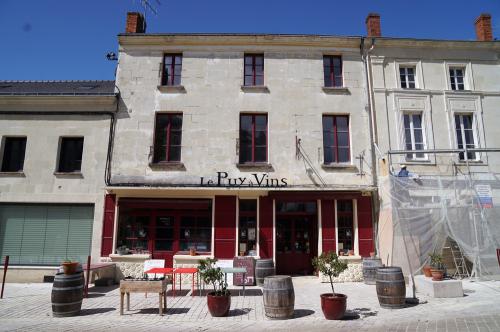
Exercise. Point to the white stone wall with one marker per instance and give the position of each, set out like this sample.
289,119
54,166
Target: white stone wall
213,101
38,183
354,272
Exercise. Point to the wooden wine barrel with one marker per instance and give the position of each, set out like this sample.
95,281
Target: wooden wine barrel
279,297
263,268
67,294
370,266
391,289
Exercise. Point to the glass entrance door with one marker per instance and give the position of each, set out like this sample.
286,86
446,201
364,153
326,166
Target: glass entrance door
296,243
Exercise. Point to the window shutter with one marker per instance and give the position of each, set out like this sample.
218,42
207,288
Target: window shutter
108,225
56,236
266,227
328,225
11,231
80,233
365,226
33,235
225,226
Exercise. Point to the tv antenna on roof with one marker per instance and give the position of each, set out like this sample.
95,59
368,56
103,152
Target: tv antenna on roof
146,5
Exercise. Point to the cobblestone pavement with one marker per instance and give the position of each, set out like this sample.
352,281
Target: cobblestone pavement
26,307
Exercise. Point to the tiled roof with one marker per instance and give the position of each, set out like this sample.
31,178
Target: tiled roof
57,88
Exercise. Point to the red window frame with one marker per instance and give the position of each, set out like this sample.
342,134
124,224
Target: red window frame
168,134
331,73
335,146
253,159
253,74
170,81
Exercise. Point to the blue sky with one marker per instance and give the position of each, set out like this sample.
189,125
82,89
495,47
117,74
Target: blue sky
68,39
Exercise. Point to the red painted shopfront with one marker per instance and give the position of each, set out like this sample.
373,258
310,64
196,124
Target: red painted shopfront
283,225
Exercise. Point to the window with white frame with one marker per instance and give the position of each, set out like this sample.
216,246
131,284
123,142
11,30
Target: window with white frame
407,77
457,77
414,135
464,128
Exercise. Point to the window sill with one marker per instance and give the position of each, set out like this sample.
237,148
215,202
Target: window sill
255,88
68,174
168,166
19,174
172,88
335,90
255,166
471,162
347,167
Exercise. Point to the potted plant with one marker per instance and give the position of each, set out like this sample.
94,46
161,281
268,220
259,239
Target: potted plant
69,267
192,251
219,301
333,304
437,266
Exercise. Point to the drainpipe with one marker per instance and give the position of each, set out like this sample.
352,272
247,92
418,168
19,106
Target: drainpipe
365,55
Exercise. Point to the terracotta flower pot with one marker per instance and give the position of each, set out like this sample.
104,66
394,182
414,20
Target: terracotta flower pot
350,252
69,267
372,254
192,252
333,306
427,271
218,306
437,275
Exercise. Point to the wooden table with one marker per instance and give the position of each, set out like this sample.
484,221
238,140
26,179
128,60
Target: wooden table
144,286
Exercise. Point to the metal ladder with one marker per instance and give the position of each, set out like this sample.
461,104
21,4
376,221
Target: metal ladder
461,270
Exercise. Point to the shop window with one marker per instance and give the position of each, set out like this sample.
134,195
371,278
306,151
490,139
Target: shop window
292,207
168,136
134,233
345,225
247,228
254,70
195,233
172,68
336,147
13,154
253,138
70,154
332,68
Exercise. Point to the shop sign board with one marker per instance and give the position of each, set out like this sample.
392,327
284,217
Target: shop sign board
252,180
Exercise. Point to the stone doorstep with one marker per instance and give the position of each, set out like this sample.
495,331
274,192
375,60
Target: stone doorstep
439,289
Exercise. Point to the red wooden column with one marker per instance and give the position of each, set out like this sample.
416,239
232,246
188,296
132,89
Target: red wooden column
225,227
328,225
108,224
365,226
266,227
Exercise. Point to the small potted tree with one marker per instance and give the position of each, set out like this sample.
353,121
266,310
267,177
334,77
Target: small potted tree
437,266
333,304
219,300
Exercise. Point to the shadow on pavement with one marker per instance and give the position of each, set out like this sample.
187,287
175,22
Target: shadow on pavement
177,311
239,312
299,313
95,311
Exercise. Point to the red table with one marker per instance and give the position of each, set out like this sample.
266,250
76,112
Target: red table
187,270
173,272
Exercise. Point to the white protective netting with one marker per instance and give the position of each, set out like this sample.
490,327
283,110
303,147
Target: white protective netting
428,210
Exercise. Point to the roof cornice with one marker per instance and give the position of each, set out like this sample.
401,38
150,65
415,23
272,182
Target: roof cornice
30,103
434,43
237,40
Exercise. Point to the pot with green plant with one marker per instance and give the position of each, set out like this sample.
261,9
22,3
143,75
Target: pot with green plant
333,304
437,266
219,300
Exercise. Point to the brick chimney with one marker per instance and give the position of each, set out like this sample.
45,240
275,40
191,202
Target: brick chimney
135,23
483,28
373,25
